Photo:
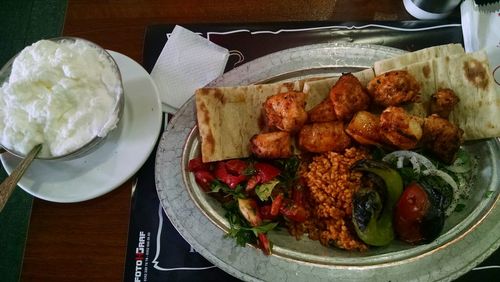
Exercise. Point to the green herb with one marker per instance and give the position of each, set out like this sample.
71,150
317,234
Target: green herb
289,168
249,170
459,208
238,227
264,228
378,153
217,186
240,230
408,175
488,194
264,190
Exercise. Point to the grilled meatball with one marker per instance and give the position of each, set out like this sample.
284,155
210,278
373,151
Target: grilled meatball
272,145
322,112
400,129
285,111
394,88
364,127
323,137
443,101
442,138
348,97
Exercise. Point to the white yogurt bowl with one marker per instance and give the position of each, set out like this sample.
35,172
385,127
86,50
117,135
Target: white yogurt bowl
65,92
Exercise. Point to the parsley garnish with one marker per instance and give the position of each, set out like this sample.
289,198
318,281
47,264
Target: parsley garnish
217,186
289,168
240,230
459,208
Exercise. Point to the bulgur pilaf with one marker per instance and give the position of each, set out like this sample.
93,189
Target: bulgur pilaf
331,186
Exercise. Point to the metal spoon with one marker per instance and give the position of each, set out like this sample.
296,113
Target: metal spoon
10,182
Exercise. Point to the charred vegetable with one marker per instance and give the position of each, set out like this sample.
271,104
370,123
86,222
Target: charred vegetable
419,214
373,206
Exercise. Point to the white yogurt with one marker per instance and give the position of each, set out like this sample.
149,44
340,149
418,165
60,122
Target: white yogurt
62,94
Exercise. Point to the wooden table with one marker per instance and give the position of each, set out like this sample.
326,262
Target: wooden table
87,241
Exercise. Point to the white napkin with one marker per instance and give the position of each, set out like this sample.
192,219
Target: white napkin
481,30
187,62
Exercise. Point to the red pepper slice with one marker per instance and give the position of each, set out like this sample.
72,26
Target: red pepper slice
294,212
265,212
197,164
236,166
276,205
298,192
204,178
224,175
266,172
264,244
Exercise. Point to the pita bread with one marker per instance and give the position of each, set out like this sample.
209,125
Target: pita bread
229,116
470,77
417,56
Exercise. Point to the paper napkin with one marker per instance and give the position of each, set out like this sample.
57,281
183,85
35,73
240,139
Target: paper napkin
187,62
481,31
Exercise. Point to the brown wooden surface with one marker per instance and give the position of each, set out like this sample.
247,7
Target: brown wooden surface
87,241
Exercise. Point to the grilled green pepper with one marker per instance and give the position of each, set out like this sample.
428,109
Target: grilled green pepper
373,206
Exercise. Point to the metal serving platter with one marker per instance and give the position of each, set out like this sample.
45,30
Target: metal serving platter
468,237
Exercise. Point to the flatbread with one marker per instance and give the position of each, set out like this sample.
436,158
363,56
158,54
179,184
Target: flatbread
469,75
417,56
229,116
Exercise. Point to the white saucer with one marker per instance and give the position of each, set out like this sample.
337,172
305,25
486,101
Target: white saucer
116,160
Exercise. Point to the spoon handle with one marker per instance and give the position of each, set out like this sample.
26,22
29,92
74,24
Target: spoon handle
10,182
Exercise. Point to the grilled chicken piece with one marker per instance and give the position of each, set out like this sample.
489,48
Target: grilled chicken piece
323,137
348,97
365,129
322,112
285,111
272,145
400,129
442,138
443,101
394,88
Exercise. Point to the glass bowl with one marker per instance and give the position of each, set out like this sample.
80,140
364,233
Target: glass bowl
117,112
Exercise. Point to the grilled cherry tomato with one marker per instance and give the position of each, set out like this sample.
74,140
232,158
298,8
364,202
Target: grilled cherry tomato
410,212
204,178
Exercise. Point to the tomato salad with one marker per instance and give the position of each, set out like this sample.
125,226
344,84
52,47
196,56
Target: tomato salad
257,195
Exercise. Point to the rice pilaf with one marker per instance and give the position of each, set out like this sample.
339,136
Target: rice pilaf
331,186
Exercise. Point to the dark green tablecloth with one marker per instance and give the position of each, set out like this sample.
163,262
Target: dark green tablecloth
22,22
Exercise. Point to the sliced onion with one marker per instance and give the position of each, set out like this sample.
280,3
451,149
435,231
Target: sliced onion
416,159
462,164
448,179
